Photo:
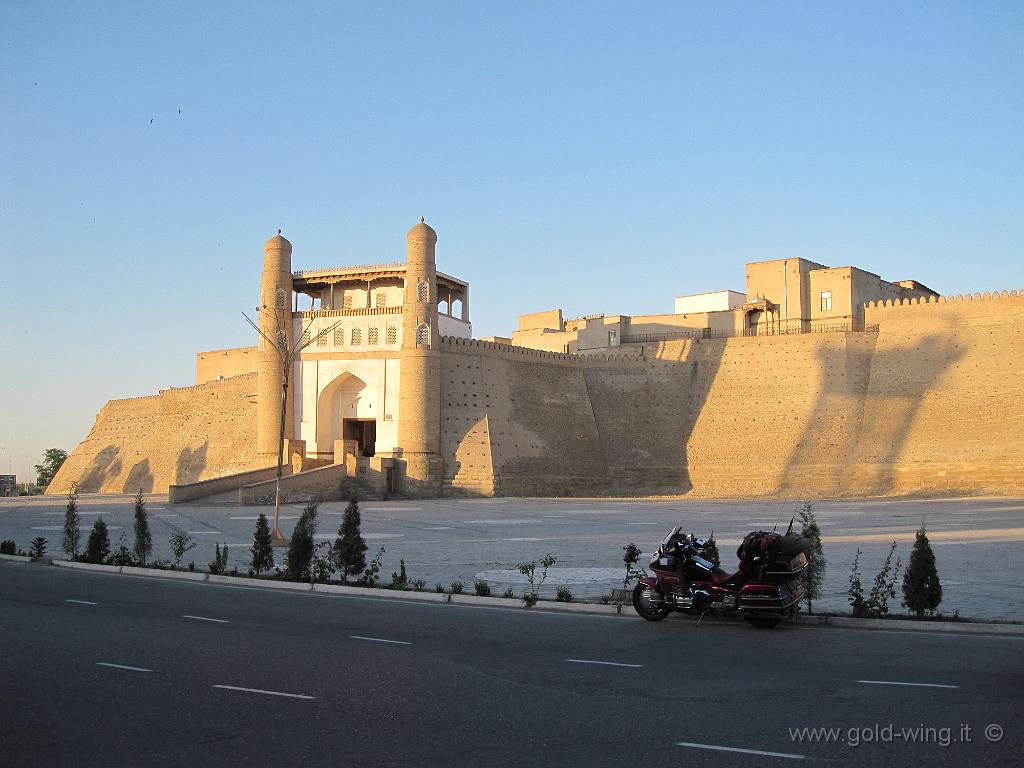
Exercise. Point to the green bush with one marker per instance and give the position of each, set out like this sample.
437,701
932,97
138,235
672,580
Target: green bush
922,590
143,547
509,593
220,560
122,555
38,548
563,595
300,548
97,548
482,588
181,543
400,579
261,550
815,574
72,525
349,547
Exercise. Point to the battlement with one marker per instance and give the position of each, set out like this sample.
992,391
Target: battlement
476,346
950,299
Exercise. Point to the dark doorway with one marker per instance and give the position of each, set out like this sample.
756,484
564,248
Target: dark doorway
363,432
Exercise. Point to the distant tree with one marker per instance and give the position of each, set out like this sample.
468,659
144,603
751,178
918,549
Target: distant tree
349,547
922,590
300,548
884,586
72,524
262,551
143,539
53,458
97,548
815,573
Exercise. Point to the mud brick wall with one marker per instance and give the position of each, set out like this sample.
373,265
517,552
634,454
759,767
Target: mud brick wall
178,436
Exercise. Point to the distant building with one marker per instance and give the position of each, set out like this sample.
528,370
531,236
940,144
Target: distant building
8,484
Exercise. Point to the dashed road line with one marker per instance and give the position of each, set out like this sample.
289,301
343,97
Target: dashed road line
717,748
914,685
379,640
266,693
604,663
81,602
205,618
122,666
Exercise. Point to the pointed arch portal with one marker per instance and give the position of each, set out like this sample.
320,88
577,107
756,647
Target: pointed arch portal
339,417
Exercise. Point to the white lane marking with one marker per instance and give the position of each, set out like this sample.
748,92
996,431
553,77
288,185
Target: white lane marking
379,640
204,618
502,522
915,685
195,533
604,663
168,514
743,751
552,516
438,528
81,602
643,523
47,527
523,539
268,693
121,666
256,517
366,536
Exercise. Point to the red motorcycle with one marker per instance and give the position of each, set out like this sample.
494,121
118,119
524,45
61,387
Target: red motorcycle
767,587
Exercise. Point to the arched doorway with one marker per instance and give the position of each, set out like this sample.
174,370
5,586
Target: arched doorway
344,413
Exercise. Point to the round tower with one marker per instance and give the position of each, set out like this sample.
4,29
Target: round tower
275,319
419,405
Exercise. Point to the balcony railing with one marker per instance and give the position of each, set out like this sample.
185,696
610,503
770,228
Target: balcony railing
360,312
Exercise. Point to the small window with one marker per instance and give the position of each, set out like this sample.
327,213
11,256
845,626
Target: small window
282,299
305,338
357,337
380,299
422,335
392,335
826,301
321,339
346,302
339,337
373,337
422,291
613,338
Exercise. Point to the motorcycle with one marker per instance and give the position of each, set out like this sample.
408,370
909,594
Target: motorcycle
766,588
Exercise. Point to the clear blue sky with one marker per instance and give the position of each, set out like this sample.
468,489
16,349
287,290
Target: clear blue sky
598,157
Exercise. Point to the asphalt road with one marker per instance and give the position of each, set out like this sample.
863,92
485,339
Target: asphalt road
102,670
976,541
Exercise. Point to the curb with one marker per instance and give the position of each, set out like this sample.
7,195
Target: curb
16,558
544,606
909,625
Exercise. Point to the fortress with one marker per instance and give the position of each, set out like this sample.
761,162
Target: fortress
816,382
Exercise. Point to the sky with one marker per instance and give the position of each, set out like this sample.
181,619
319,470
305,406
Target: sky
588,156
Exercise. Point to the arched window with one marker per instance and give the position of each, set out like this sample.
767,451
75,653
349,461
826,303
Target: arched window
321,339
374,337
339,337
422,291
392,335
282,299
357,337
305,338
422,335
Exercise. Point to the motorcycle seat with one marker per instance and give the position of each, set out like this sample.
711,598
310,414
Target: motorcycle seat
728,580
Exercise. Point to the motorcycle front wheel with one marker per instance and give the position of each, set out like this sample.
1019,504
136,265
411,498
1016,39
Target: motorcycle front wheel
644,606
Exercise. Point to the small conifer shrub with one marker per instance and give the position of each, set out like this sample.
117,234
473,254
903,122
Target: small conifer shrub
72,525
97,548
922,591
143,547
349,547
262,551
300,548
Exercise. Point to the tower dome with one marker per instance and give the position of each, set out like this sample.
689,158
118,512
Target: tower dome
277,253
422,231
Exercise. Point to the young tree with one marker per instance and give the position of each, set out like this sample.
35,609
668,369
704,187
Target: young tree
349,547
53,458
38,548
262,551
180,544
922,590
884,586
143,540
300,548
815,573
97,548
72,524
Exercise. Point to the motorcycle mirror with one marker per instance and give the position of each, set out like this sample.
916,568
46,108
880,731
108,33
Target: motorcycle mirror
790,529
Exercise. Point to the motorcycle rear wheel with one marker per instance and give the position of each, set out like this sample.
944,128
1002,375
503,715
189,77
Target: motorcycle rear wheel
645,607
762,622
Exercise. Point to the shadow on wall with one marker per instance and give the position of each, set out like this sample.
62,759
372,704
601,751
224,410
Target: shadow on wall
104,467
140,478
866,407
190,464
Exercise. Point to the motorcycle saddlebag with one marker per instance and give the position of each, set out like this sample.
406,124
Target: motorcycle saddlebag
758,598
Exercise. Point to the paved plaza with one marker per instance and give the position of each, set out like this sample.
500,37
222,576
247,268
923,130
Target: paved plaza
977,541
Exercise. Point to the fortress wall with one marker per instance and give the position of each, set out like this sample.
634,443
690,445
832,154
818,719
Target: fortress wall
515,422
178,436
945,406
224,363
